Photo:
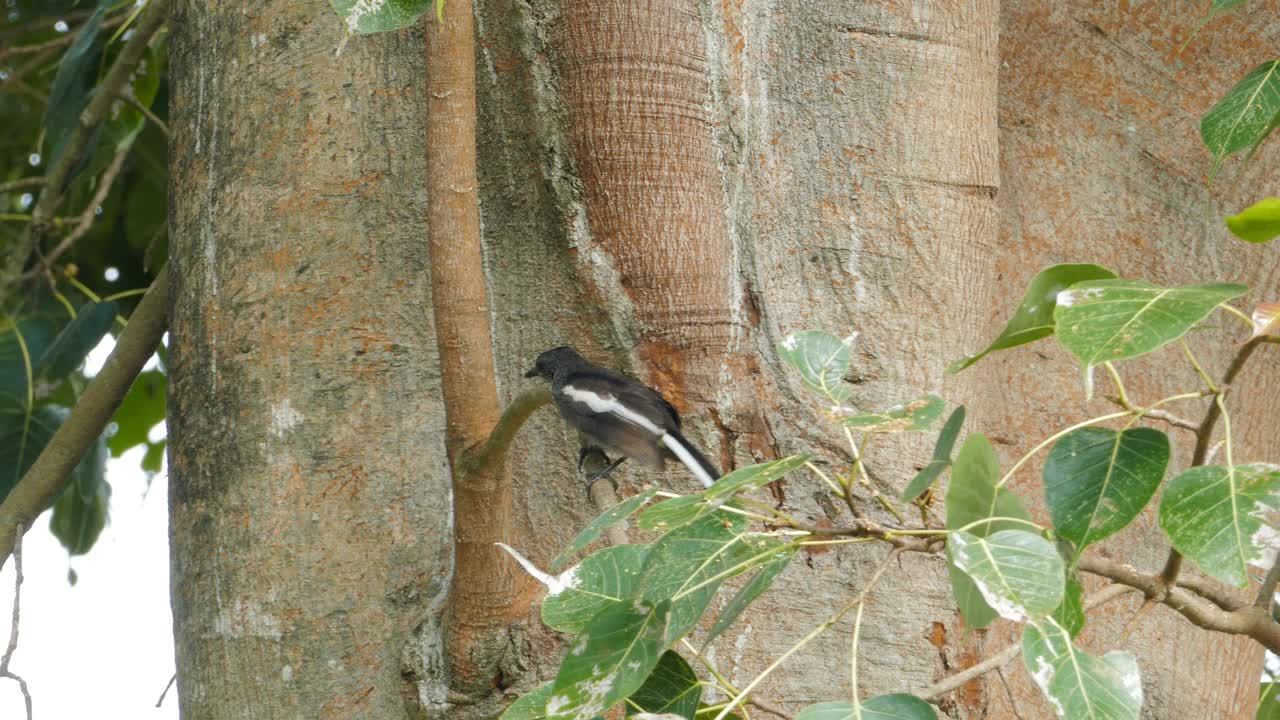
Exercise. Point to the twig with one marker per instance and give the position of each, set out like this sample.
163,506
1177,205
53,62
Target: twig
47,477
964,677
85,221
146,111
1266,593
22,184
98,109
1248,620
1162,415
168,685
62,40
13,628
771,709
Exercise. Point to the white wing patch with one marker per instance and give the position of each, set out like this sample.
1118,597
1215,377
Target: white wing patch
609,404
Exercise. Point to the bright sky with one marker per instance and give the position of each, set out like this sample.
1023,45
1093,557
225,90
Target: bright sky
103,648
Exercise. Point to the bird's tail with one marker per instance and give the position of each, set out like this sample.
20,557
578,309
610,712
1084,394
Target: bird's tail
689,455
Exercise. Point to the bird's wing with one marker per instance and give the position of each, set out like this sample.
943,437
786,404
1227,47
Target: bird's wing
619,413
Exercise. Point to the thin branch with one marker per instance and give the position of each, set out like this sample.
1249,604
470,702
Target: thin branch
17,616
85,221
48,476
98,109
1266,593
964,677
22,184
146,111
494,448
61,41
1161,415
172,679
1248,620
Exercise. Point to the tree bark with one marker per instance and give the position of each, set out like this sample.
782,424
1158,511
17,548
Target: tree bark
310,501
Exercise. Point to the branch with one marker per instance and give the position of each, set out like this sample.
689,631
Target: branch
1204,436
1248,620
13,628
964,677
22,184
48,476
62,40
85,221
146,111
77,143
494,448
1266,593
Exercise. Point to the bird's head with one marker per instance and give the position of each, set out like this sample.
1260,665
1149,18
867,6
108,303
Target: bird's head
553,360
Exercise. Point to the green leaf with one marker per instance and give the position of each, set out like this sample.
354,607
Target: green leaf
124,121
671,688
72,85
364,17
1080,685
880,707
919,414
1108,320
22,437
1070,614
34,335
610,659
1097,480
1268,702
607,519
688,564
143,407
941,457
1034,317
1246,115
77,338
749,592
1258,223
80,512
530,706
674,512
1219,517
973,496
1019,573
153,461
751,478
821,358
606,577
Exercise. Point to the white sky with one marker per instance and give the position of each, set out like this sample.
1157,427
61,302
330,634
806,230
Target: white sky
103,648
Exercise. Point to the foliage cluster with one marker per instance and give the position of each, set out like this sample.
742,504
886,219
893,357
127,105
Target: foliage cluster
631,609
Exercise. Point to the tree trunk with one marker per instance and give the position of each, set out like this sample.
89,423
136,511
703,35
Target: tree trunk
672,188
310,501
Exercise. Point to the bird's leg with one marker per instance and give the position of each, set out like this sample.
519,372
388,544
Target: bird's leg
607,469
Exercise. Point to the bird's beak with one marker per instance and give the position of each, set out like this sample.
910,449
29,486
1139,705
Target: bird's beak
532,373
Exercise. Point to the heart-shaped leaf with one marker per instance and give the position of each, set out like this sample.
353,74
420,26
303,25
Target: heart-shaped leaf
1097,480
749,592
1019,574
1246,115
363,17
1258,223
971,497
610,659
530,706
1034,317
1108,320
821,358
752,477
1077,684
671,689
606,577
687,566
1221,517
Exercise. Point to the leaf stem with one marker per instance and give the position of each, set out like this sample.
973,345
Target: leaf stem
1053,438
1248,321
1191,357
826,625
1115,378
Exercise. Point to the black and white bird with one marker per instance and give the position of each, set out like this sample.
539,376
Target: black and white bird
615,413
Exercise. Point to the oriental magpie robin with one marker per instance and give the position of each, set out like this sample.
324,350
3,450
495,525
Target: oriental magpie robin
615,413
